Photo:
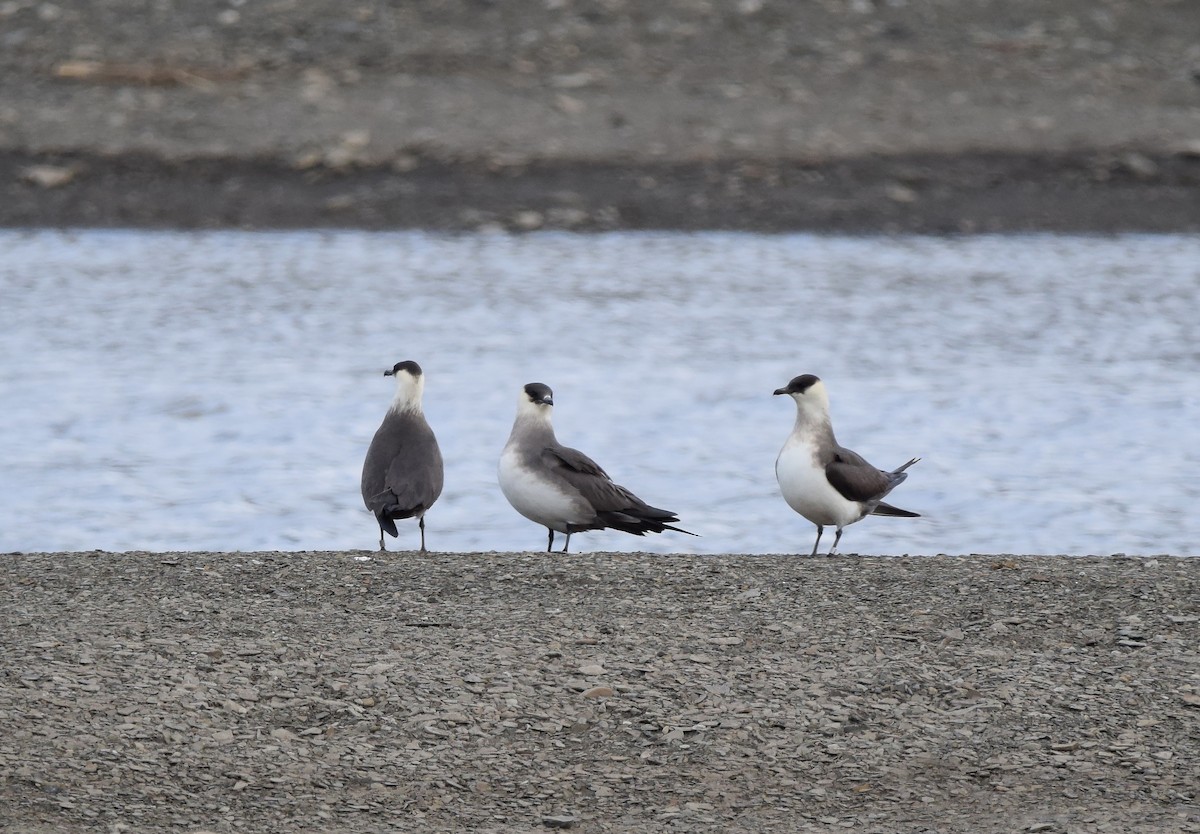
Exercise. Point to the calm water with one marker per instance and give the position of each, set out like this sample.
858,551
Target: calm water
218,390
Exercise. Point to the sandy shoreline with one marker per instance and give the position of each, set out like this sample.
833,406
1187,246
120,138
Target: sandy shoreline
605,692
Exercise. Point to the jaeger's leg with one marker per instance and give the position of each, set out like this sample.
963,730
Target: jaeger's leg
836,539
550,541
820,530
422,526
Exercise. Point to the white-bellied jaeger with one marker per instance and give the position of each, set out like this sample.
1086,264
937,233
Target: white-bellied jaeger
824,482
402,474
563,489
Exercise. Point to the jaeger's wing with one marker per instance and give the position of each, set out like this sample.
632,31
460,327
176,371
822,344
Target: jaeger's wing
855,479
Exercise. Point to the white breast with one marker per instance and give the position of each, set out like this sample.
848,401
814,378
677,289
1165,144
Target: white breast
807,490
539,499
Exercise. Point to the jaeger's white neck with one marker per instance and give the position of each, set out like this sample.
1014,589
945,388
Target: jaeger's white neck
408,394
532,418
812,414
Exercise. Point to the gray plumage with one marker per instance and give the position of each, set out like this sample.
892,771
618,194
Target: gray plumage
402,474
824,481
562,488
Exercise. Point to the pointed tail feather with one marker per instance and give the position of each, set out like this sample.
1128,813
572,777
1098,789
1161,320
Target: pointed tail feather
639,522
905,466
896,512
387,525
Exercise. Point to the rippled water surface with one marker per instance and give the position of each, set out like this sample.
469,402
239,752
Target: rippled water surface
184,391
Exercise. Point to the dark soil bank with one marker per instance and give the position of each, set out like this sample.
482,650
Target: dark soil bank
923,194
149,692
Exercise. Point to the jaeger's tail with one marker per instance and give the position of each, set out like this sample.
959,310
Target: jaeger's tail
898,475
896,512
387,525
640,520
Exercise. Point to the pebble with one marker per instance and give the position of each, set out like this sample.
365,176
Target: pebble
48,176
528,221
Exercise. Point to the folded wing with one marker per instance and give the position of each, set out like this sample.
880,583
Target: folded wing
614,505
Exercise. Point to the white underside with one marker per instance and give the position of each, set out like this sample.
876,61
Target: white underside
538,499
807,490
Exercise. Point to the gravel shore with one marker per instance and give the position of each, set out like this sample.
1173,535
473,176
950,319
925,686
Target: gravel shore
598,692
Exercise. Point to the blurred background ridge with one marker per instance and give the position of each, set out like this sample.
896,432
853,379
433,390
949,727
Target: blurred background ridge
849,115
